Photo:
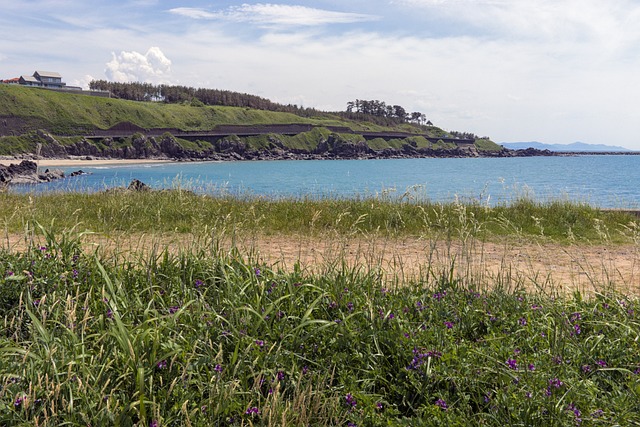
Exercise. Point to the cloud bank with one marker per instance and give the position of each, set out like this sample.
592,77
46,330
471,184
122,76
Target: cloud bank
275,14
152,67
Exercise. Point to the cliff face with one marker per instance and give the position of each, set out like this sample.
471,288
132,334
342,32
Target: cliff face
243,148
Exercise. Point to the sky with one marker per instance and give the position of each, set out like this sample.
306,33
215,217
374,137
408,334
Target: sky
554,71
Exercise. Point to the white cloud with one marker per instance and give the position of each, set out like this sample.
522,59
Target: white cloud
275,14
153,67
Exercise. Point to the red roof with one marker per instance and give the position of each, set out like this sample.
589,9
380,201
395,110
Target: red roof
13,80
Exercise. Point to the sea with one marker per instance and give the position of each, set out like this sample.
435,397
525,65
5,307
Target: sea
606,181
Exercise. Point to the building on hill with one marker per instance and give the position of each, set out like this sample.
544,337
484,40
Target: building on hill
48,79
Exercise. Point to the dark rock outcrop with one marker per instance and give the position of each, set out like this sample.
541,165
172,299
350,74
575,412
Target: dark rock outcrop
26,172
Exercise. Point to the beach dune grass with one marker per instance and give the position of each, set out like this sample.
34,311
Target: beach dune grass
207,336
180,210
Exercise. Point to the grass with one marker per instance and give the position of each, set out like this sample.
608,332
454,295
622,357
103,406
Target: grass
210,337
185,212
69,114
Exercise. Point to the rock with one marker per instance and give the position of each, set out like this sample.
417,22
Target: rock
137,185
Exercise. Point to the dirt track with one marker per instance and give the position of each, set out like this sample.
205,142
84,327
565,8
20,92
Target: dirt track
551,266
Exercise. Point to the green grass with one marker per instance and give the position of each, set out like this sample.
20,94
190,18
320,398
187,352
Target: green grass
69,114
206,337
182,211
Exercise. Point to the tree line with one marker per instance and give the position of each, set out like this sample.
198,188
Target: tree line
374,111
382,109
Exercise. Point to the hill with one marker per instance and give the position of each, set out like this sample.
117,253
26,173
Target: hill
64,124
574,147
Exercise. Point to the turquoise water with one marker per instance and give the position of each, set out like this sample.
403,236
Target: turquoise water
604,181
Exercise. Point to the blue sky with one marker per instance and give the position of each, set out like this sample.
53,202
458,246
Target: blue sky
555,71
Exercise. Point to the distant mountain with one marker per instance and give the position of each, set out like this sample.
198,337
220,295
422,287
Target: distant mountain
576,146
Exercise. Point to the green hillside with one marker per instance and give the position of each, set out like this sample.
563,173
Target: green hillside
24,110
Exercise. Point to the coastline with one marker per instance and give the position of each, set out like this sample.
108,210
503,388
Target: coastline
82,162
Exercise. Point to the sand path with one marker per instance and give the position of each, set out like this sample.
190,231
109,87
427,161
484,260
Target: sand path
551,266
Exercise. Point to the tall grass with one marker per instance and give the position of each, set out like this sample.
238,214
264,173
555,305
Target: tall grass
184,212
212,337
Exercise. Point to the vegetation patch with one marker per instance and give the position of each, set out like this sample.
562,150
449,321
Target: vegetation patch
207,337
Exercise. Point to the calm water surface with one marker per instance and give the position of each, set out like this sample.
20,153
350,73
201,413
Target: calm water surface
605,181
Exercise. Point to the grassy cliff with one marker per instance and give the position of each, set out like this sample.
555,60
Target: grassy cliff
23,111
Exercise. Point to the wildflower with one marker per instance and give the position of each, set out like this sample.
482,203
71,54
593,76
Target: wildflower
351,424
305,369
438,296
174,309
572,407
333,305
19,401
449,325
218,368
528,395
351,401
162,364
442,404
110,314
74,273
586,369
350,306
379,406
257,272
601,363
522,321
512,363
154,423
391,316
260,343
252,410
198,283
280,375
555,382
536,307
598,413
531,367
576,329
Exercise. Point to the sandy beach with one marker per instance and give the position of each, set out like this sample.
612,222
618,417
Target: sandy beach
83,162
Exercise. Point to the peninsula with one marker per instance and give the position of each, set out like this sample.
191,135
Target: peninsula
36,122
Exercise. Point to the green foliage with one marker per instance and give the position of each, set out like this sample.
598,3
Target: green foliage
487,145
402,215
206,337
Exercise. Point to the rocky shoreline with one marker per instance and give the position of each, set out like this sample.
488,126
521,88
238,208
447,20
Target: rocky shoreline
26,172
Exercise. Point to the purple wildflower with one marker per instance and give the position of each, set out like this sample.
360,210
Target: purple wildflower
442,404
379,406
218,368
280,375
162,364
601,363
260,343
531,367
19,401
512,363
257,272
252,410
154,423
556,383
576,329
522,321
174,309
586,369
449,325
198,283
351,401
350,306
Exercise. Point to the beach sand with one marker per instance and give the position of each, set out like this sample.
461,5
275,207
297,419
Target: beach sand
83,162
